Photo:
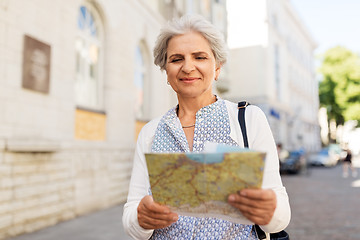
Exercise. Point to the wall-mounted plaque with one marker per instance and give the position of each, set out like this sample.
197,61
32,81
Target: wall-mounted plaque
36,65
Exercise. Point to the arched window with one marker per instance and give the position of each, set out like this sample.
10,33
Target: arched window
88,86
142,87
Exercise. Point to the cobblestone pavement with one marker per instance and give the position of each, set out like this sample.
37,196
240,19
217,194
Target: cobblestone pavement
325,206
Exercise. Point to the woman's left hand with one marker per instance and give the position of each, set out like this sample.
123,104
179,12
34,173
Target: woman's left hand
257,205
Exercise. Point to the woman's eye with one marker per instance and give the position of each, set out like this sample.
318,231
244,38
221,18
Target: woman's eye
201,58
175,60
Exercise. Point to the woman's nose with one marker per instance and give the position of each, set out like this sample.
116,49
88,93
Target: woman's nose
188,66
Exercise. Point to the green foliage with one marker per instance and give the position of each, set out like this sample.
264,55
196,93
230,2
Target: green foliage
339,91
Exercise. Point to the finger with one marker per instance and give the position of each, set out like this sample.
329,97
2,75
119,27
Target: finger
155,222
253,208
250,210
260,220
152,206
237,200
156,208
170,217
260,194
258,216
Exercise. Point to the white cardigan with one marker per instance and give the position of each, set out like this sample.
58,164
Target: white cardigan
259,137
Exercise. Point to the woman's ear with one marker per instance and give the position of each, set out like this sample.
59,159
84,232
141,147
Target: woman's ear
217,72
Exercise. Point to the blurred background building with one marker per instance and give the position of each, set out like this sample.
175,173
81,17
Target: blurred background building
77,83
271,65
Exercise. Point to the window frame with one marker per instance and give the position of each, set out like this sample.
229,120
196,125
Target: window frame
145,71
83,36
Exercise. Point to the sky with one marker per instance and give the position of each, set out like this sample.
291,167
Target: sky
331,22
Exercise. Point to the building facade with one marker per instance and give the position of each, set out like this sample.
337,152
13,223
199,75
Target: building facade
75,78
77,82
271,65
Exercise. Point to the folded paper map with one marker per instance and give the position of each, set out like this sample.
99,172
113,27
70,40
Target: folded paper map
198,184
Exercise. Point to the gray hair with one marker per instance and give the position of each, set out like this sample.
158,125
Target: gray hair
186,24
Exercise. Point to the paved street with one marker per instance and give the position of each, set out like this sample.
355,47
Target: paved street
325,206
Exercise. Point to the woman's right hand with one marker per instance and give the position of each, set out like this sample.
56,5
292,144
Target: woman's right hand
152,215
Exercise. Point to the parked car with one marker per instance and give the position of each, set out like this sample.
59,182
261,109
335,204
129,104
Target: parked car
328,156
294,163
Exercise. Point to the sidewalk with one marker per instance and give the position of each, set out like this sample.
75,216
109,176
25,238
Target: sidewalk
102,225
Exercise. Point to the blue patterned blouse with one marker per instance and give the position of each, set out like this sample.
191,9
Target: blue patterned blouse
212,125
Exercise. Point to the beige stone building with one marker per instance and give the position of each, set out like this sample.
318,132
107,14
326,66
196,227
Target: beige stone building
77,82
271,65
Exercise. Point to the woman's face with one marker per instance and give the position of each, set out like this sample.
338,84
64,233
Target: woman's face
191,66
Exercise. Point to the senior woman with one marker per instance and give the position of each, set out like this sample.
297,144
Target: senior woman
192,51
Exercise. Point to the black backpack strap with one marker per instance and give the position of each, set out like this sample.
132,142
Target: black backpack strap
259,232
241,117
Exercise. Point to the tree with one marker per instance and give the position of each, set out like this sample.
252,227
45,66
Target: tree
339,91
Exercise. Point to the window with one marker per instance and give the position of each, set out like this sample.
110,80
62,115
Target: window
88,85
142,87
139,83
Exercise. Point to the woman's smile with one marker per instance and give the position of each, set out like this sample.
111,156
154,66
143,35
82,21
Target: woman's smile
189,79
